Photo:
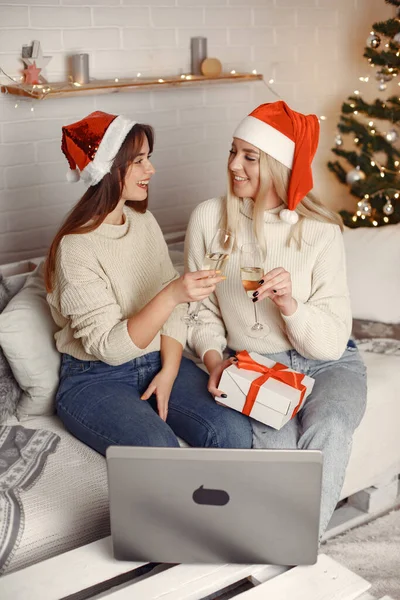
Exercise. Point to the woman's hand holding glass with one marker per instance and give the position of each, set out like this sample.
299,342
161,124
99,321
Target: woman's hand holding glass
194,287
277,285
215,259
251,268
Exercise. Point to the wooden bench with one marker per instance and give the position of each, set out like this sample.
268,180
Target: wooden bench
92,572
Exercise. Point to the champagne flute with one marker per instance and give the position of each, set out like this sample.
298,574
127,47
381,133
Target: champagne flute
215,260
251,271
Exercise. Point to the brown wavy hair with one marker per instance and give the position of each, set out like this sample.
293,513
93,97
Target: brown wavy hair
100,199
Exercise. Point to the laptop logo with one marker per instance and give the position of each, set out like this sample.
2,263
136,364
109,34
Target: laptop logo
209,496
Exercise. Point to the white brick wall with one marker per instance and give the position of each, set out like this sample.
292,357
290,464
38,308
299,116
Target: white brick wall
14,16
57,16
312,48
119,15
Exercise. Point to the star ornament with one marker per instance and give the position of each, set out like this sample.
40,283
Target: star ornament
39,61
31,74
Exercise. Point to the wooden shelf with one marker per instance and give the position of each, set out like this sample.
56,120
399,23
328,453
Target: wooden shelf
113,86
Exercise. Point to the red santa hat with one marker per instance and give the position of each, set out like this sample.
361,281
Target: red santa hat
90,145
291,138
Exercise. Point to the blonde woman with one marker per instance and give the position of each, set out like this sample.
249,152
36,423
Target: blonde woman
302,297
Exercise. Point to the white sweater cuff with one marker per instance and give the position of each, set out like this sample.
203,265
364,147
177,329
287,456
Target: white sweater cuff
202,350
296,320
175,327
119,348
314,338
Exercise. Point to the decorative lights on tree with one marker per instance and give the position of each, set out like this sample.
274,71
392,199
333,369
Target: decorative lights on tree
373,128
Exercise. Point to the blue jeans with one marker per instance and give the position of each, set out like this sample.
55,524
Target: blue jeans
100,405
327,420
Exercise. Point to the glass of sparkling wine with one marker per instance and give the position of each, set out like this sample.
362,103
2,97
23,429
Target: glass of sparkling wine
251,271
215,260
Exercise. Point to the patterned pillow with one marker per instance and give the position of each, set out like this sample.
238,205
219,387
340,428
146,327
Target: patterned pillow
10,392
379,338
372,329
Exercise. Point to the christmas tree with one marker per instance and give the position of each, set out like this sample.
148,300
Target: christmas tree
374,176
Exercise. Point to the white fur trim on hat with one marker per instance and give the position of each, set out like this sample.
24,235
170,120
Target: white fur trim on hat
110,144
289,216
266,138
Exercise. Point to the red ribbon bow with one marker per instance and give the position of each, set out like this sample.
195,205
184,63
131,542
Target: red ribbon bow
278,372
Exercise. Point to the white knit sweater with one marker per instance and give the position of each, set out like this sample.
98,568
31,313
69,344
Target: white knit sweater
321,325
104,277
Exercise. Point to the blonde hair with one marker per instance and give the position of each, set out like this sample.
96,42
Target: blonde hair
273,173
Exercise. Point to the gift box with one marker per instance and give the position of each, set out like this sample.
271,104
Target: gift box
263,389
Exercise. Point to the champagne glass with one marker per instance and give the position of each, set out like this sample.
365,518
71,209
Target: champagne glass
251,271
215,260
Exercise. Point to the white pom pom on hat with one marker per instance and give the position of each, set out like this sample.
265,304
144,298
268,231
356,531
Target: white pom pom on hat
289,137
289,216
73,176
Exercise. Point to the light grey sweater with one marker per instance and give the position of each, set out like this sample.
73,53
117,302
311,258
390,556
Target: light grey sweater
104,277
321,325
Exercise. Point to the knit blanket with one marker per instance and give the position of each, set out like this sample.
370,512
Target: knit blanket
23,455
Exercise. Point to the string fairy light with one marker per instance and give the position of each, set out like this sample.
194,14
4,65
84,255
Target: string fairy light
44,91
271,89
40,91
364,208
365,79
385,192
382,168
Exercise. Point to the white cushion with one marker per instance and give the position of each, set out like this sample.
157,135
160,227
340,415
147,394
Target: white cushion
373,258
27,338
376,442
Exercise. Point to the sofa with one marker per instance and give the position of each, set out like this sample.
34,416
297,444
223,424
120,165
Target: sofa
66,505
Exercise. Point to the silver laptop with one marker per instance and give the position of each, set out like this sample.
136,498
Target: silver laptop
206,505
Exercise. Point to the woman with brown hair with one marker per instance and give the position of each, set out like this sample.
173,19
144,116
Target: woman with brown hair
118,303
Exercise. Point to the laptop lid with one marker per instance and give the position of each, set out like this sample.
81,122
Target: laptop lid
206,505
